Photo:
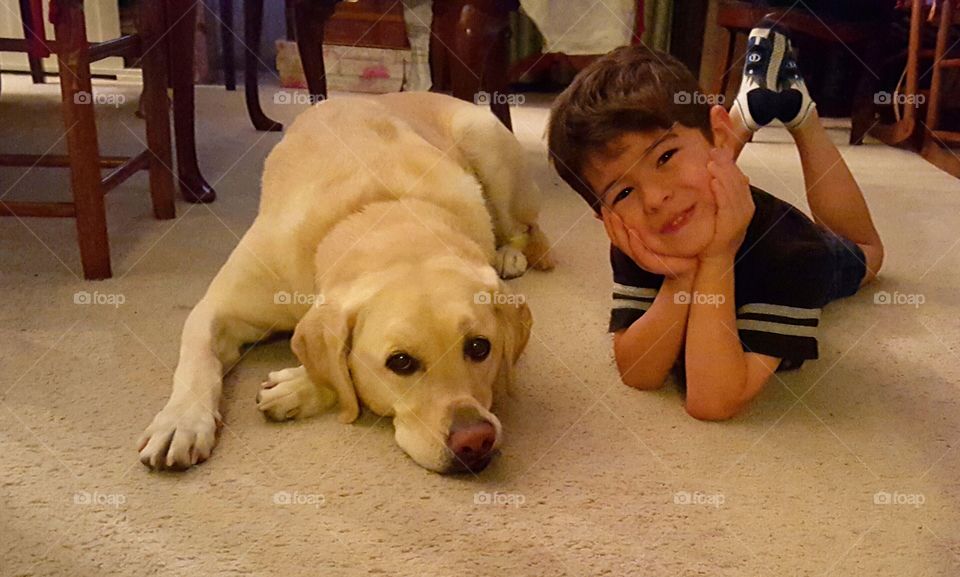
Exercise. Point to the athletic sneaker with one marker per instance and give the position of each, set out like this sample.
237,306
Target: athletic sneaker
795,101
758,101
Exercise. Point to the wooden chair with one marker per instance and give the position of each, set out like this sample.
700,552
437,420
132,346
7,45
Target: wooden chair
738,18
937,141
74,55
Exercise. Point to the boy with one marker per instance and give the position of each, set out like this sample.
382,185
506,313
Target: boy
710,274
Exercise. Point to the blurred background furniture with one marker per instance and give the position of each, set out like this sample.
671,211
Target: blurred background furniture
861,38
937,138
74,54
469,51
179,25
468,44
558,56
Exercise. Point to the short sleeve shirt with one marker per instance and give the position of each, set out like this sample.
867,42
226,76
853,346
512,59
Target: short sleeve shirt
782,275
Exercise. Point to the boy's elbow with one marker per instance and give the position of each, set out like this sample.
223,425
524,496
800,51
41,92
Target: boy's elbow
703,410
643,382
638,379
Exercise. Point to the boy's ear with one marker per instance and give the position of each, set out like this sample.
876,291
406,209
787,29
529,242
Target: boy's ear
722,127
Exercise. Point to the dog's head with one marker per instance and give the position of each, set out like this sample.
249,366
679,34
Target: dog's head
429,347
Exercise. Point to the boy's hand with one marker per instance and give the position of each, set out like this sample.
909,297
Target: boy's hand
735,208
630,244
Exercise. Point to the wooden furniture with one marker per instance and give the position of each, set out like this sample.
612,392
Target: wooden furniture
937,141
252,31
538,65
738,18
468,48
925,59
74,55
905,126
180,18
686,31
30,13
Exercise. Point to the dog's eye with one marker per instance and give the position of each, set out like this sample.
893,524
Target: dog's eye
403,364
477,349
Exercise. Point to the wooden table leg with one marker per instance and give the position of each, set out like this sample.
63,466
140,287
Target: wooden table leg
36,63
252,28
480,43
84,151
181,16
311,16
226,44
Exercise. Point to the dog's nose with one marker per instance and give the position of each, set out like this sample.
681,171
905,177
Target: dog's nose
472,446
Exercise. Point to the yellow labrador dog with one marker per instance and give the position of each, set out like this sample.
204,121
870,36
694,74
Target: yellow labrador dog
385,225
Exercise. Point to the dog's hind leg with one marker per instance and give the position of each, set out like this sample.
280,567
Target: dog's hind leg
512,197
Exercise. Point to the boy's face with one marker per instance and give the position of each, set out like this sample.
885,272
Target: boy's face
657,182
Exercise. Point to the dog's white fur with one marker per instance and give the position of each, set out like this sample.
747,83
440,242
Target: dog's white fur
373,235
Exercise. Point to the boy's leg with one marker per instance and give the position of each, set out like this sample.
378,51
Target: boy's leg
834,196
741,133
758,102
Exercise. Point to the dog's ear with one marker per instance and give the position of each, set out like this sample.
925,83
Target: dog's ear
322,342
515,322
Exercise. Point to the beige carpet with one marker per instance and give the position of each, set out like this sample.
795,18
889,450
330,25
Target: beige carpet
847,467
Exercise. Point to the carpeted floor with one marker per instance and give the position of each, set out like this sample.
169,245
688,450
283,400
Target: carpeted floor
846,467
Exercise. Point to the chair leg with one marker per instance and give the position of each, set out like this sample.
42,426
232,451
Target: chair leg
936,83
226,44
82,146
862,113
252,28
156,107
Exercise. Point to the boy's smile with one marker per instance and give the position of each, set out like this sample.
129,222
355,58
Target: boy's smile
659,185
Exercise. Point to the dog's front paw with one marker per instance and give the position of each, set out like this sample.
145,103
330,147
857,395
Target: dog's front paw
290,394
179,437
510,262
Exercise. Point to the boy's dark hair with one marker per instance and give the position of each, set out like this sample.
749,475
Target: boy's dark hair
631,89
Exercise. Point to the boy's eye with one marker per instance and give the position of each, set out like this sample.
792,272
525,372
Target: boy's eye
666,156
623,194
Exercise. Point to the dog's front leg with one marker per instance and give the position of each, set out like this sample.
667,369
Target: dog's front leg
184,432
291,394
